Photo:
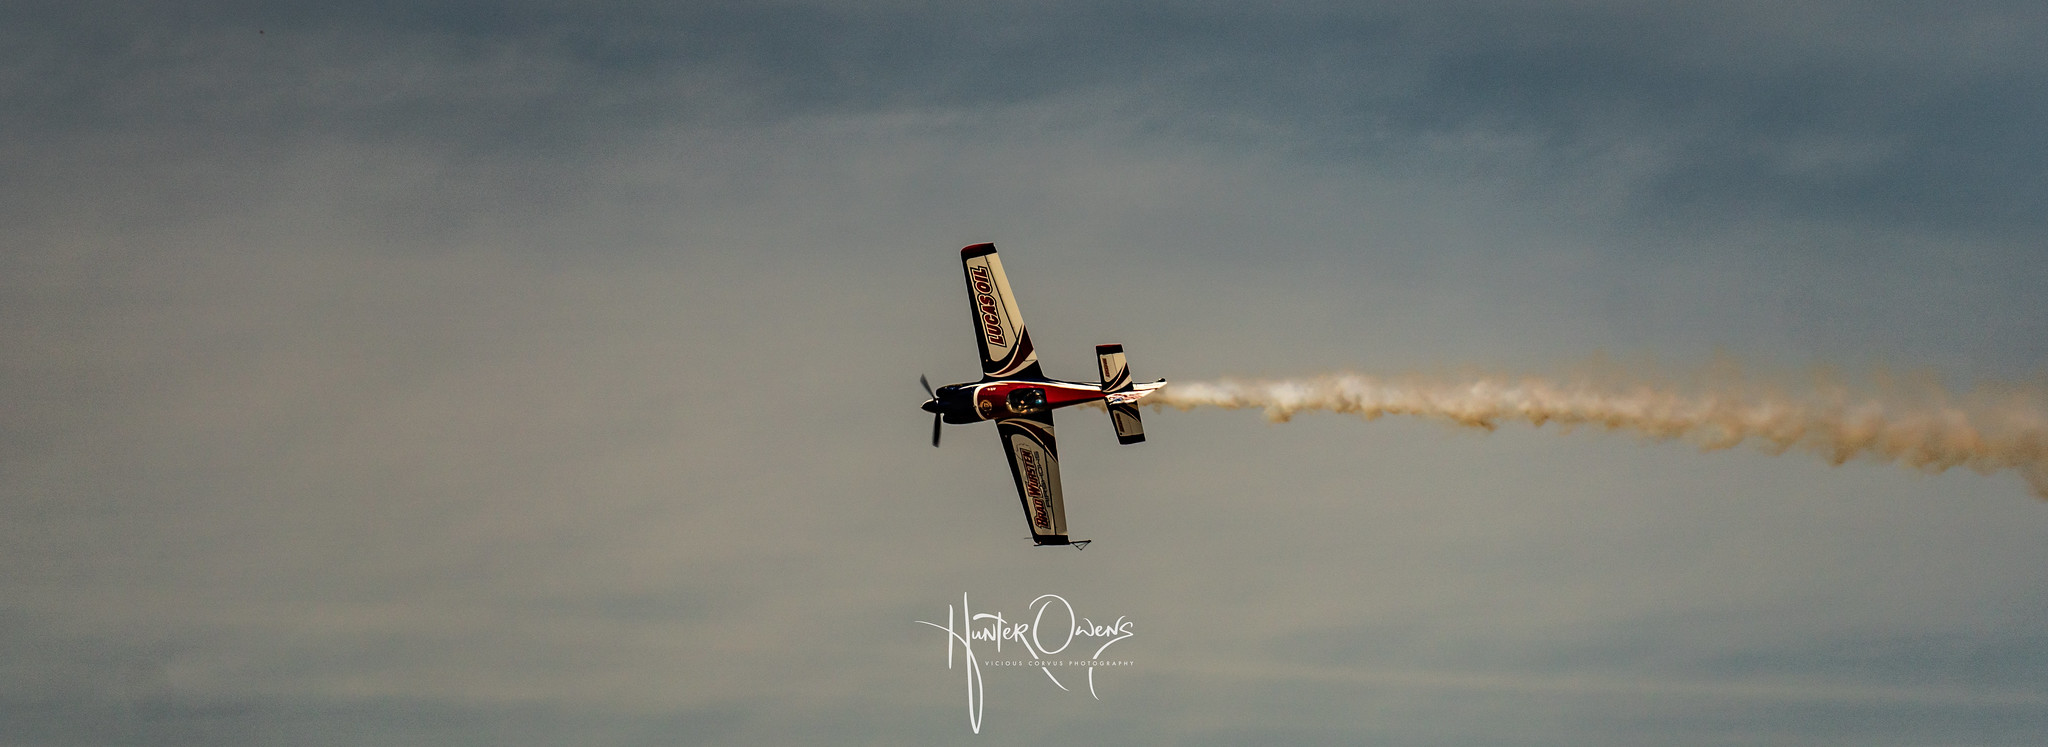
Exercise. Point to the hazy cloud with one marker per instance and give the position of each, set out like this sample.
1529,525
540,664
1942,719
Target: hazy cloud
517,373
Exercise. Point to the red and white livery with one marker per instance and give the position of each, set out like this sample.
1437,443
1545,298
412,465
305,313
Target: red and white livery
1015,394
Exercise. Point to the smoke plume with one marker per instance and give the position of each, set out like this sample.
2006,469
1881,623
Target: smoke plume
1916,423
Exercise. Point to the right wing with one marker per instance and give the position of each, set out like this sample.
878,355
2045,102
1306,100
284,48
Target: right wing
1035,465
1005,347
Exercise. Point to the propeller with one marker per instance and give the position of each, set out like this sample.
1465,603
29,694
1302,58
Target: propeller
937,418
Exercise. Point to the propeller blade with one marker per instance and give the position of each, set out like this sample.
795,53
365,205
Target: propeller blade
935,430
927,386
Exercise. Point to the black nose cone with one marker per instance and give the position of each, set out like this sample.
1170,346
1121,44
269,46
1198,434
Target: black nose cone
933,406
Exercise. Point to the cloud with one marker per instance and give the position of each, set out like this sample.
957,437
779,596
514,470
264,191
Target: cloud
458,371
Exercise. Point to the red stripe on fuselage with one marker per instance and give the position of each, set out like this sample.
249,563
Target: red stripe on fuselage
992,400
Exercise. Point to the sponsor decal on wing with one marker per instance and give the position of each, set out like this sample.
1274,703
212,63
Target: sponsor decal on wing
985,299
1034,488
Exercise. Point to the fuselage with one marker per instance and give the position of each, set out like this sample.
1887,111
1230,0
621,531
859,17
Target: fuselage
1008,398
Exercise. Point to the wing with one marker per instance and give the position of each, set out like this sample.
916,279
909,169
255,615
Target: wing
1005,347
1035,465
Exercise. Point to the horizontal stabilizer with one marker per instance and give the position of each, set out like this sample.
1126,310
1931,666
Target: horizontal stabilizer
1130,428
1116,385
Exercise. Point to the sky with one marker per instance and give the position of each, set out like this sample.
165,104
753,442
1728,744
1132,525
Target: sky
526,373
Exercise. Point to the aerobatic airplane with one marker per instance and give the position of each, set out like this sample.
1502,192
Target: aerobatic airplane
1015,394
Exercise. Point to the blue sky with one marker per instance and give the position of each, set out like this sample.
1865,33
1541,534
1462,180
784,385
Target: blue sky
500,373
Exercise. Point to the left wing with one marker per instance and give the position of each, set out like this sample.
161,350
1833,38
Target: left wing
1035,465
1006,350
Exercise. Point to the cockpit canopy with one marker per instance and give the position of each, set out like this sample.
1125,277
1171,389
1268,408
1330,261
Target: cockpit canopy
1027,400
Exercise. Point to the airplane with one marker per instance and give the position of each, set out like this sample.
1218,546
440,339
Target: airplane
1015,394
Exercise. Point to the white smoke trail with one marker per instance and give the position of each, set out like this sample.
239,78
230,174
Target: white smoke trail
1996,428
